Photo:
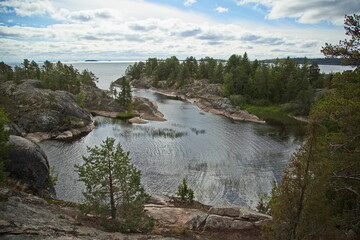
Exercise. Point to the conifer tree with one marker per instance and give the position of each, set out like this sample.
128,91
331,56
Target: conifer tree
125,97
112,183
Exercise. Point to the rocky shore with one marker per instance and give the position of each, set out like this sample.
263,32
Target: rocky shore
37,114
206,96
25,216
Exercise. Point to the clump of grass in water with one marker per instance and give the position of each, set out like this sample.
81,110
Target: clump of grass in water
125,116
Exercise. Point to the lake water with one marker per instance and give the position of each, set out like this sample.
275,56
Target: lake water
225,162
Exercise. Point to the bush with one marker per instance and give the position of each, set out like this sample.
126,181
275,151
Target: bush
184,192
238,100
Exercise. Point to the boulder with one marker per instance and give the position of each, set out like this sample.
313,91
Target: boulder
28,163
217,223
238,212
100,100
34,109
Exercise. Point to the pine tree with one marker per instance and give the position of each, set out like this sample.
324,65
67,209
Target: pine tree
112,183
125,97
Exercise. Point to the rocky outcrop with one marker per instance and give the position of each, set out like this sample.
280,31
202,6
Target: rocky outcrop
233,222
232,218
147,109
29,164
206,96
99,100
24,216
37,111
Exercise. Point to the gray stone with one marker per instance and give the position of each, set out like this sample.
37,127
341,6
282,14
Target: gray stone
34,109
217,223
225,211
28,163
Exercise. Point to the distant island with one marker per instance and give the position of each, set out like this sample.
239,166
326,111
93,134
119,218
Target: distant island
91,60
319,61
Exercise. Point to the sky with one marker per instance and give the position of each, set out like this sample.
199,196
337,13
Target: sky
75,30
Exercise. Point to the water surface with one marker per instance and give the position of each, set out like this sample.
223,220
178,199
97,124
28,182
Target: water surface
225,162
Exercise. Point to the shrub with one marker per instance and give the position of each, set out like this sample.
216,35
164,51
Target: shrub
184,192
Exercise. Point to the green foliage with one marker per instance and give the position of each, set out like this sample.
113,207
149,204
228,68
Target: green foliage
238,100
271,113
56,76
125,97
6,72
285,81
81,99
4,147
127,115
113,185
348,48
184,192
53,176
263,205
319,196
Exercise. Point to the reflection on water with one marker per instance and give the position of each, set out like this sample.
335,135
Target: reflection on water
225,162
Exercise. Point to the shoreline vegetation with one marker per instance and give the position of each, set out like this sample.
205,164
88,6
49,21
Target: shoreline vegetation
238,88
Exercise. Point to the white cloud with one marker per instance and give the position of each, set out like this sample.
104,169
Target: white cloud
189,2
221,9
309,12
136,29
28,7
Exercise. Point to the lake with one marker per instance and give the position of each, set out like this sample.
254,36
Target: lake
225,162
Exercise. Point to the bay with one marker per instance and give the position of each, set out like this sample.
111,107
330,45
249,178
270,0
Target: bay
225,162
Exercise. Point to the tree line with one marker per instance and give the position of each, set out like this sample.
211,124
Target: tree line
55,76
242,80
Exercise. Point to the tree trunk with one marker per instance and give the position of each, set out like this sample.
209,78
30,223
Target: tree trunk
111,190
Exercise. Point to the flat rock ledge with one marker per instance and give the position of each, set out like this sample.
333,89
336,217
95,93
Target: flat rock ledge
24,216
66,135
138,120
230,222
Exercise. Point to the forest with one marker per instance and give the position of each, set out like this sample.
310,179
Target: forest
243,81
55,76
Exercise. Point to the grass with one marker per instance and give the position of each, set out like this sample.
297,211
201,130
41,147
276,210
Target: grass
279,118
125,116
271,113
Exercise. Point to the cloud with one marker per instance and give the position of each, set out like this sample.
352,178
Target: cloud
115,29
213,43
188,3
221,9
190,33
256,39
27,8
308,12
309,45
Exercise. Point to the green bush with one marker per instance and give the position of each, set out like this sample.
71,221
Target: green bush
238,100
184,192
